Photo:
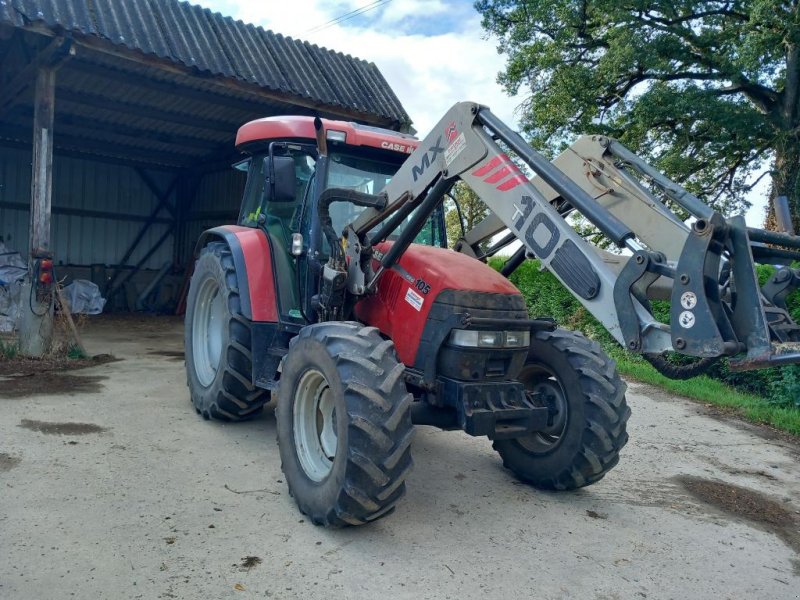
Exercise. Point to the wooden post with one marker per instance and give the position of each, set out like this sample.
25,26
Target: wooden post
42,179
36,315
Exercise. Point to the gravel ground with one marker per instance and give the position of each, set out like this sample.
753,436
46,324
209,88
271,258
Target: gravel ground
112,487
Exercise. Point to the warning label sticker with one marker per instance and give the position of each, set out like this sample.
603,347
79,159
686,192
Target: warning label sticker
414,299
454,149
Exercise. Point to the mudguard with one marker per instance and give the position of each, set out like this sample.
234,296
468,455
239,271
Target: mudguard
252,258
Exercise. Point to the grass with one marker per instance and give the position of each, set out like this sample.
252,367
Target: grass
8,350
751,407
74,352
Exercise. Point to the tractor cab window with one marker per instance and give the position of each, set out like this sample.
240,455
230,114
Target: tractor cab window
283,214
358,174
371,176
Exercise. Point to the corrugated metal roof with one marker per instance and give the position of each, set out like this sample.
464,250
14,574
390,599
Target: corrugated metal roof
210,42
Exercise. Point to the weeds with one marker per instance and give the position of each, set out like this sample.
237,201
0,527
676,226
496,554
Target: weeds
8,350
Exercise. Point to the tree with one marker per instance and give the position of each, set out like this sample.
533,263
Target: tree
473,211
708,91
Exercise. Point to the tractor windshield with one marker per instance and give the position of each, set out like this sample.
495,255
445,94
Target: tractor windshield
370,176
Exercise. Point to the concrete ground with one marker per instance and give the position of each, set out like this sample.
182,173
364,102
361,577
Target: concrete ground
112,487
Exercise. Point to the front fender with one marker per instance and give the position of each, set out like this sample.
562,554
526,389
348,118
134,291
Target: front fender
252,259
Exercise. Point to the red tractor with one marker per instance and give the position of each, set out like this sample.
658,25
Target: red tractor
336,291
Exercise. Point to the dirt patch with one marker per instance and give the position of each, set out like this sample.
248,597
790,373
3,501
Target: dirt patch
54,383
171,354
7,462
748,505
50,428
248,562
596,515
28,366
138,323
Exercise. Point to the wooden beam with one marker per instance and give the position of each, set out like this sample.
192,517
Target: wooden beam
59,50
42,174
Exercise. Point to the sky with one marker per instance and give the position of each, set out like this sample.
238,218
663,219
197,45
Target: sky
433,53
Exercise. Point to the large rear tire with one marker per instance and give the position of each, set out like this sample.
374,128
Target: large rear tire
344,424
217,341
579,383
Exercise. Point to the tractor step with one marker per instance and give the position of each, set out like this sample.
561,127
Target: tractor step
498,410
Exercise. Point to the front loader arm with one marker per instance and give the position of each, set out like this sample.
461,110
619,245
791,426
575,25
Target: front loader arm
460,147
706,269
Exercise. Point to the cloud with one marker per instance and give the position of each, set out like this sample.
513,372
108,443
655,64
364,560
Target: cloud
450,61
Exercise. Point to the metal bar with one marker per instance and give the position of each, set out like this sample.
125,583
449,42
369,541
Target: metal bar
764,254
161,195
393,222
600,217
82,212
59,50
140,235
537,324
87,147
495,248
748,318
141,262
773,237
688,201
418,219
513,263
86,98
191,187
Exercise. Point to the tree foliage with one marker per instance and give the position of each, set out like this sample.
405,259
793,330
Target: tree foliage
707,91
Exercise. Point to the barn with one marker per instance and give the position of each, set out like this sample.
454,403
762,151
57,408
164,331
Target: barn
117,124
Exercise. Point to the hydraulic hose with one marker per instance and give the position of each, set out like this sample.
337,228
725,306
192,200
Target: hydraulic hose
674,371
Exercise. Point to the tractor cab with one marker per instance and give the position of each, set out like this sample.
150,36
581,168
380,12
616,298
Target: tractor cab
287,173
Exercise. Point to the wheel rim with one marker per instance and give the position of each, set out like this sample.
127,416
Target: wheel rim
546,390
314,424
207,331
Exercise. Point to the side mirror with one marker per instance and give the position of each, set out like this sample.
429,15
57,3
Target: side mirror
279,179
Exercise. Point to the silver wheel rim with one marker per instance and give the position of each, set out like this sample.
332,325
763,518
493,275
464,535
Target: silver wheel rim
314,423
207,331
554,398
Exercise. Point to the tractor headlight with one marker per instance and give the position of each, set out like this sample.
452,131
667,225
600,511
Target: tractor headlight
517,339
472,338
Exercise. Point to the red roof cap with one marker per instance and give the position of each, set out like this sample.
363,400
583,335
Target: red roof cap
283,127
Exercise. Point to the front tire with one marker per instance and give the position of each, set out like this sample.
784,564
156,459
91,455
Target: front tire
579,383
344,424
217,341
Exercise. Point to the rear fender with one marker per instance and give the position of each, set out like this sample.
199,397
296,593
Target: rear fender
252,258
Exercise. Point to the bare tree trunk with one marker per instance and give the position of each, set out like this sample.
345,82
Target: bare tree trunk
786,181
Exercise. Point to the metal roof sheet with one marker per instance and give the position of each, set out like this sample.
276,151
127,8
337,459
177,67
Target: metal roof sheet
210,42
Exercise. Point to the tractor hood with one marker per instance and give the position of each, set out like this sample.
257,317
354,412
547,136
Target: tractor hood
401,306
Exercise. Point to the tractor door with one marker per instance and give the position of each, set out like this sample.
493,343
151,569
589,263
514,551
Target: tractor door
278,212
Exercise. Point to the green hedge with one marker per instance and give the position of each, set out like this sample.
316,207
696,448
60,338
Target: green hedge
546,297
